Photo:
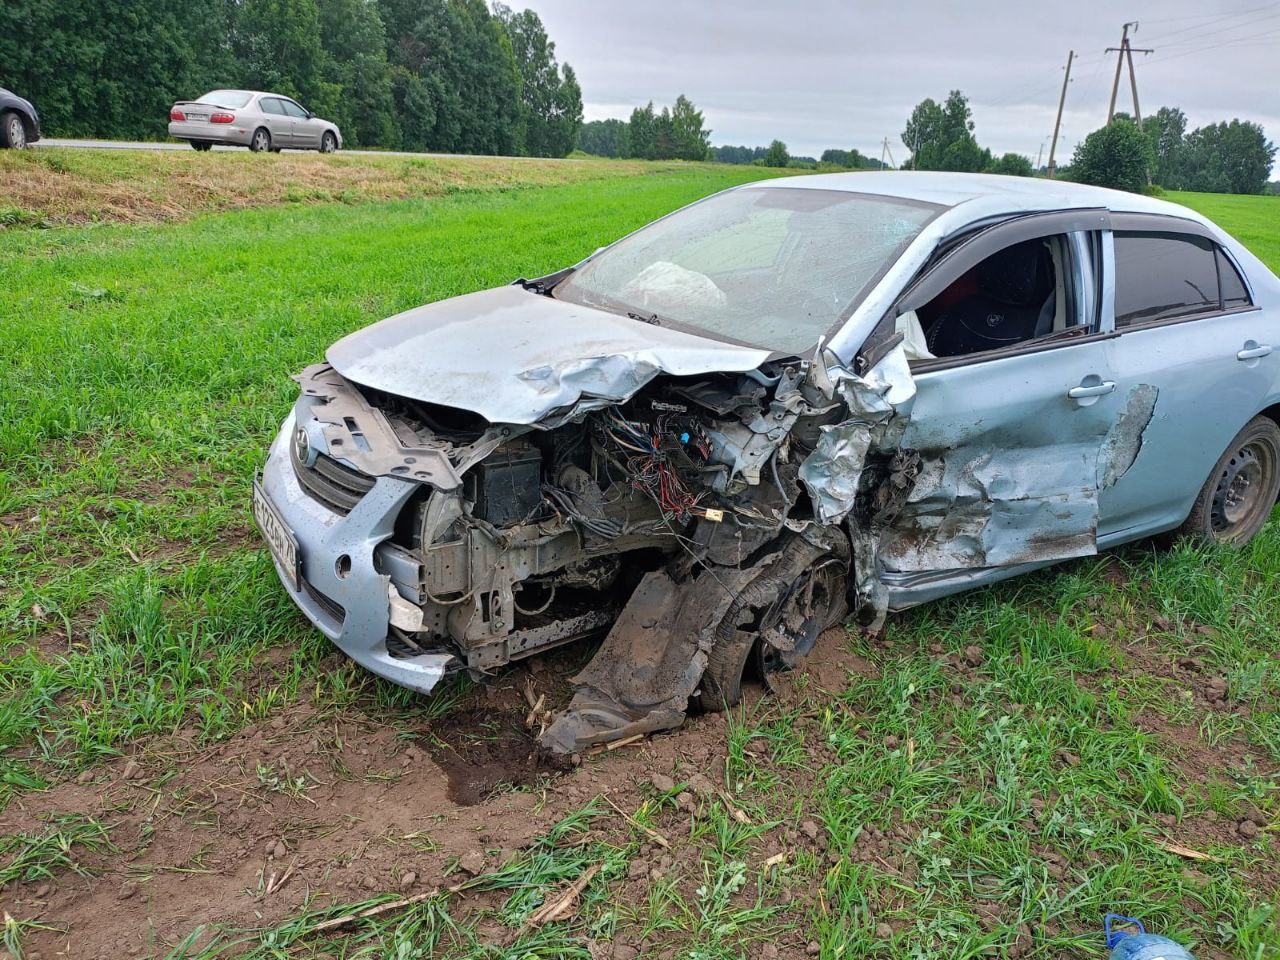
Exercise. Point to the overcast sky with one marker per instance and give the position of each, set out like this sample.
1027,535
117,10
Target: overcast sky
821,73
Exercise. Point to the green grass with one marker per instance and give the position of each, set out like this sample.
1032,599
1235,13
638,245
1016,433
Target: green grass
145,369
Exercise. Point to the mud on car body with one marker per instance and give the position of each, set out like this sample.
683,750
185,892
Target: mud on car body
790,402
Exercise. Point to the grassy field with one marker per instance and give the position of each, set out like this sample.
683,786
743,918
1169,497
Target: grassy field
987,780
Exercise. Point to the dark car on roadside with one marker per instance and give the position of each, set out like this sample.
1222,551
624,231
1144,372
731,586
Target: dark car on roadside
19,122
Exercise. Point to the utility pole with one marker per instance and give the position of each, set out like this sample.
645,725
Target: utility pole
1124,54
1057,124
886,152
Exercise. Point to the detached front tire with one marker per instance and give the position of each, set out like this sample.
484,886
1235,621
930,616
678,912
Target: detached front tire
777,617
13,132
1236,501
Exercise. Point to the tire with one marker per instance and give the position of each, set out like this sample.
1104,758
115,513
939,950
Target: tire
202,147
328,143
1236,500
13,132
261,140
800,594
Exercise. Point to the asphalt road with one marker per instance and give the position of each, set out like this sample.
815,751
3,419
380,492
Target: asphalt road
172,145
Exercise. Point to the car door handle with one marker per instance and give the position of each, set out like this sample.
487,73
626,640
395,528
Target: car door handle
1254,352
1096,390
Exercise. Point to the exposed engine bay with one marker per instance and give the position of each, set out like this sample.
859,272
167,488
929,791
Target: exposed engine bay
691,520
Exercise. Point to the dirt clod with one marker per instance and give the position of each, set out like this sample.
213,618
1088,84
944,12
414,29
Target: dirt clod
662,783
1215,689
132,771
810,829
369,883
973,655
86,776
472,863
127,889
408,880
279,850
1247,829
813,949
884,931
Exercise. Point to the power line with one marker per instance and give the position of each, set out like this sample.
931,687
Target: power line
1163,38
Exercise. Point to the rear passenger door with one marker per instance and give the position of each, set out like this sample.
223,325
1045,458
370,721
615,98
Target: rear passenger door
278,122
1191,357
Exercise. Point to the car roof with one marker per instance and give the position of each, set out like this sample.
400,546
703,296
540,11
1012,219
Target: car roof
1010,194
252,93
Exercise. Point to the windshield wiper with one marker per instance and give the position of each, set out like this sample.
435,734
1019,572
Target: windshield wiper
652,318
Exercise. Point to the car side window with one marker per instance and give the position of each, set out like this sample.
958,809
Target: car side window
293,110
1234,293
1164,276
1015,295
271,105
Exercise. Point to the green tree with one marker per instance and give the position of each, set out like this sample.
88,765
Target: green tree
567,120
113,67
690,140
604,138
643,132
277,43
356,66
776,155
1230,157
1165,129
551,100
1118,155
1012,165
940,136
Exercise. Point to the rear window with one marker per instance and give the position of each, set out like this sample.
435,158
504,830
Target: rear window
1160,276
226,98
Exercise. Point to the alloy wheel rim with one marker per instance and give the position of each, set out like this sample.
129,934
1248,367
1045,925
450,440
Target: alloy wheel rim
17,133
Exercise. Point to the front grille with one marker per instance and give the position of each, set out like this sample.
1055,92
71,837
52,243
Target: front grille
335,485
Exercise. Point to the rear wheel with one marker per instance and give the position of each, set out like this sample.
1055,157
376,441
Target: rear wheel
1237,498
777,618
202,147
261,141
328,143
13,132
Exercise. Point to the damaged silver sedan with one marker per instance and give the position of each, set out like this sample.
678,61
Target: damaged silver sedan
790,403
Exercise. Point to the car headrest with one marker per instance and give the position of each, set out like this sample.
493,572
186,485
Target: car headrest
1012,275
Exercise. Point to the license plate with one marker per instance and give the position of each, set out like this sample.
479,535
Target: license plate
280,539
197,116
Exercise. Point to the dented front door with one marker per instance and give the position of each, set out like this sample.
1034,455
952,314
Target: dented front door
1011,454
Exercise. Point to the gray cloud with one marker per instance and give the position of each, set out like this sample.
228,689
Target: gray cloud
821,73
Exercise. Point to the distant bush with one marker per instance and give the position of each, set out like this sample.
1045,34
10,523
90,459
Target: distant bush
1119,156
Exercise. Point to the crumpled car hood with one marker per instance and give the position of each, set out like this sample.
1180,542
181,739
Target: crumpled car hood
514,356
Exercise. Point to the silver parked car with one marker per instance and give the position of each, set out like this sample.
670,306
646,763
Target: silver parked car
786,403
247,118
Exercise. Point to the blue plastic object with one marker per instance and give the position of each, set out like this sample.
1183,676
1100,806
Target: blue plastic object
1140,945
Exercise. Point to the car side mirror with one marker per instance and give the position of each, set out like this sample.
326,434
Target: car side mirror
310,115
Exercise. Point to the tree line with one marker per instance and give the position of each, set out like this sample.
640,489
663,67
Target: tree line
1228,157
442,75
678,132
